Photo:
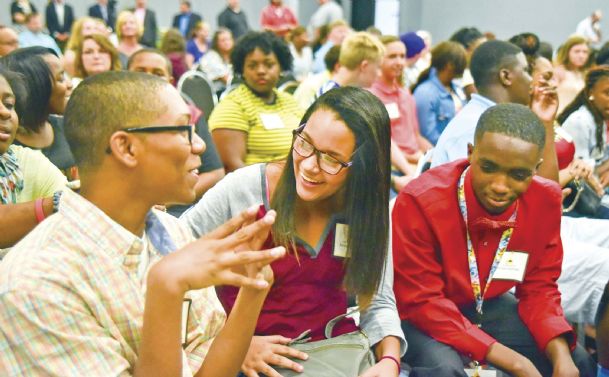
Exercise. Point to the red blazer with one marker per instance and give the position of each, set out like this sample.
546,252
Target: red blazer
430,259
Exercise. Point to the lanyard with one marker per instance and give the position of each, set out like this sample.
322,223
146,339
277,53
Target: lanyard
471,255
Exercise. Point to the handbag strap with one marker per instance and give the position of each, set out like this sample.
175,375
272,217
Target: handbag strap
305,336
330,325
579,189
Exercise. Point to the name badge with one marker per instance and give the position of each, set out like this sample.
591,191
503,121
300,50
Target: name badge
271,121
481,373
341,240
185,313
393,110
512,266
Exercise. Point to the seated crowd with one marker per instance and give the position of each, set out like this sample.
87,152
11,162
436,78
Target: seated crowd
443,205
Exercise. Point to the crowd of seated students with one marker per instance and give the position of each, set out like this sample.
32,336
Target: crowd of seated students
475,265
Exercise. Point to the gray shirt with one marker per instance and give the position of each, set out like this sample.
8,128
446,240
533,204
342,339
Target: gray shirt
246,187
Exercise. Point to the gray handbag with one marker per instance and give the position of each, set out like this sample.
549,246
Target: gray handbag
347,355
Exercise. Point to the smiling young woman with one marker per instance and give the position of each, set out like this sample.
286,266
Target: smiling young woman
336,176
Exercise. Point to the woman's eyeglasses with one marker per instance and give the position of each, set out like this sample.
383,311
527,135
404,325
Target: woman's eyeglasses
327,163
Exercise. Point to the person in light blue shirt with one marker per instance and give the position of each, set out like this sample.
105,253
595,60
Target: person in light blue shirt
438,99
452,144
501,75
33,35
337,32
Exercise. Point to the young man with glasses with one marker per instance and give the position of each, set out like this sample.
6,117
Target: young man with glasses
211,171
107,286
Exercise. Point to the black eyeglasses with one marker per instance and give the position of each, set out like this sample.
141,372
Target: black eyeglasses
188,128
327,163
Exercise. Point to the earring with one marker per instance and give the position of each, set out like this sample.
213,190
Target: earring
591,98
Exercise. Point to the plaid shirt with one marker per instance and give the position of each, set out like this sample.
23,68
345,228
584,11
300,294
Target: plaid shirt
72,303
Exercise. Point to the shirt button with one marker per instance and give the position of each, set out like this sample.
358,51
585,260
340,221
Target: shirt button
485,243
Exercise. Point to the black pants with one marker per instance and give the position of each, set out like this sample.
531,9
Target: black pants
428,357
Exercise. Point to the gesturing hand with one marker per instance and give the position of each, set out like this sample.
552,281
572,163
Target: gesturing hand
544,101
215,258
265,351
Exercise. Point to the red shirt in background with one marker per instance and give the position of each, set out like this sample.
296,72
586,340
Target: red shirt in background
432,278
402,111
280,19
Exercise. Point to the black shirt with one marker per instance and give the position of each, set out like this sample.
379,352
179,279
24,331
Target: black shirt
235,22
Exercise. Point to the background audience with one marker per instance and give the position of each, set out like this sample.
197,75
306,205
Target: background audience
256,120
438,98
198,44
96,54
571,64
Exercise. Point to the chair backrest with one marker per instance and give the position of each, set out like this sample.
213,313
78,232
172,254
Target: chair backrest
229,89
198,87
289,86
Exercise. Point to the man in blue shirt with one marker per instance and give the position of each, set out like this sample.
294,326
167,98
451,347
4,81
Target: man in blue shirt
186,20
33,35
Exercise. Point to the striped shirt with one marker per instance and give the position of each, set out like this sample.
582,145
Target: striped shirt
268,127
73,304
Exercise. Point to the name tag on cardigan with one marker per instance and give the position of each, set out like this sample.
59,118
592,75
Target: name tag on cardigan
271,121
341,240
393,110
512,266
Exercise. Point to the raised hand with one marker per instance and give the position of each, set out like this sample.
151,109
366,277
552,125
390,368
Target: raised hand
544,101
219,258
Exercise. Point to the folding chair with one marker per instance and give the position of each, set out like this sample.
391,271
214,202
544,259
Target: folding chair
198,87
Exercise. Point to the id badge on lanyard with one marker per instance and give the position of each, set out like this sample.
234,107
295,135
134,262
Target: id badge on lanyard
473,265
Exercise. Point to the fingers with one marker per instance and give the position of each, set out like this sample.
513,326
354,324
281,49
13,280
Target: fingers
278,339
255,233
284,362
268,371
229,227
238,280
289,352
259,237
263,257
566,192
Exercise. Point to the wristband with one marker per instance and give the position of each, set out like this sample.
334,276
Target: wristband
38,211
394,360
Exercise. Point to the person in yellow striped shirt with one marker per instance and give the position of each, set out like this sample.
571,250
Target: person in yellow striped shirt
254,122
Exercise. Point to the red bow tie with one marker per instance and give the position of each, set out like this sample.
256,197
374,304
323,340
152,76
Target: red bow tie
486,223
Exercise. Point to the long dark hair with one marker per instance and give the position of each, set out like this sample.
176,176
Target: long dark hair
444,53
38,80
583,99
366,189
